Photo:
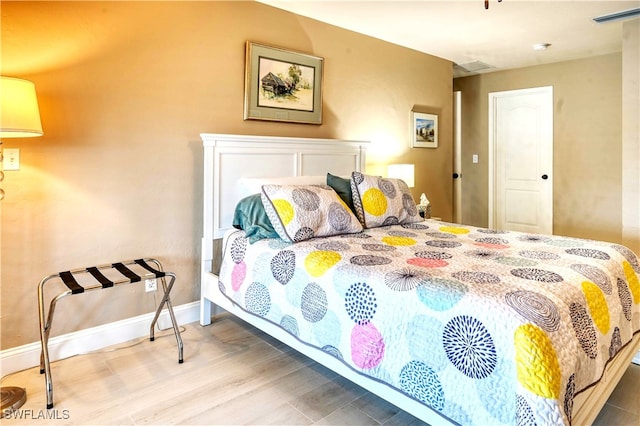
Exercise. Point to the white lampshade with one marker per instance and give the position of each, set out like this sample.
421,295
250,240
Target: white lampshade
402,171
19,114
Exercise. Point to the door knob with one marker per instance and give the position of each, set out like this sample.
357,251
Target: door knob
545,177
456,175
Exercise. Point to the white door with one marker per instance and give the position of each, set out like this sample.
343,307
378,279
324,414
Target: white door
457,156
521,160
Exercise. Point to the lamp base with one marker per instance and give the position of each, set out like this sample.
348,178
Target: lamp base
12,398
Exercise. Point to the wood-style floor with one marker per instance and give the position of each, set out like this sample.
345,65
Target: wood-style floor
232,374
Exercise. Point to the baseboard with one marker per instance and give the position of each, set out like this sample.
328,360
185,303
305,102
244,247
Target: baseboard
95,338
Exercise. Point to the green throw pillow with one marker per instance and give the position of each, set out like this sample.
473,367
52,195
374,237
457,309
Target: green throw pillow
342,186
251,217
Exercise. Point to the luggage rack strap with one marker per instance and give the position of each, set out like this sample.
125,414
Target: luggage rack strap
95,272
145,265
71,283
133,277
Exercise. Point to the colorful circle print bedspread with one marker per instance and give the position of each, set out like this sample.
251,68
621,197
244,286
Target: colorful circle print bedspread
485,327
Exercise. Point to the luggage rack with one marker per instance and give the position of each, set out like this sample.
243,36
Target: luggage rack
124,276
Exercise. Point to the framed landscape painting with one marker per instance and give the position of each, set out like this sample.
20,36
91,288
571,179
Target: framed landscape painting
282,85
424,129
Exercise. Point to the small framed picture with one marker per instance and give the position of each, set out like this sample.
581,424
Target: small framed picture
282,85
424,129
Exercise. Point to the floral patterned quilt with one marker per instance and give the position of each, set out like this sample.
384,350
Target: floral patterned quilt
486,327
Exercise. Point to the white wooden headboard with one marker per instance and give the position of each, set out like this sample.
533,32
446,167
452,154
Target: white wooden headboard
230,158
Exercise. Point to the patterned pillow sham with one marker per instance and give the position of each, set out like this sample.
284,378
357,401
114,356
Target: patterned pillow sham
301,212
382,201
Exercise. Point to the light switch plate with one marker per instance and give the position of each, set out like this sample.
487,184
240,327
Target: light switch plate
11,159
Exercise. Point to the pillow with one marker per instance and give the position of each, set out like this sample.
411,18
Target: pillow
252,218
342,186
382,201
301,212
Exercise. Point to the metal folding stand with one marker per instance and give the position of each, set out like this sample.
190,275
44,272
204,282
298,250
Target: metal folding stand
69,279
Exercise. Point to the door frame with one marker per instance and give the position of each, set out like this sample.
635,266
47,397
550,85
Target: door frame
493,97
457,156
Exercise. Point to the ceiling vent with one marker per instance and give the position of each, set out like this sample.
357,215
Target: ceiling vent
474,66
625,14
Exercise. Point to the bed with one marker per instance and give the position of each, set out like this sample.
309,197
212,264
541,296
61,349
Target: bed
452,323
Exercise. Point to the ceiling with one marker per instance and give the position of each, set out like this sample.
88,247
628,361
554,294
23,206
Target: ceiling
463,32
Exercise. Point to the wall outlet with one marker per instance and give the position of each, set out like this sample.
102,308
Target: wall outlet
150,285
11,159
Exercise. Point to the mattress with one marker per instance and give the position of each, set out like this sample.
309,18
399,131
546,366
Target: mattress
483,326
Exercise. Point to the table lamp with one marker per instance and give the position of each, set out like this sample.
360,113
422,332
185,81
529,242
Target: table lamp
404,172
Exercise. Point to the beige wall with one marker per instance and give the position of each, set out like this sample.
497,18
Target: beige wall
631,134
587,142
125,89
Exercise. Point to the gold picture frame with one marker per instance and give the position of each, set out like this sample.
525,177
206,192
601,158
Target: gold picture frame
424,130
282,85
